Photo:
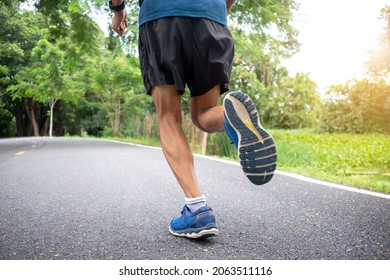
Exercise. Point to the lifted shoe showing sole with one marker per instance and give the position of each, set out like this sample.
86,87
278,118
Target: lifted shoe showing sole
256,147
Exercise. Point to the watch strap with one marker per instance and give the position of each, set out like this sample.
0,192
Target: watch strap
116,8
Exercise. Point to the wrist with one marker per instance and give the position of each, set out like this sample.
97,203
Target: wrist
116,5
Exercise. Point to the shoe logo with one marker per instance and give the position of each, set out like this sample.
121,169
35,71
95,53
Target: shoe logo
250,125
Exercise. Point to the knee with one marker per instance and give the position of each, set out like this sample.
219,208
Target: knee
169,117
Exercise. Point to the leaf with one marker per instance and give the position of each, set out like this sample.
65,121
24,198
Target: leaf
74,7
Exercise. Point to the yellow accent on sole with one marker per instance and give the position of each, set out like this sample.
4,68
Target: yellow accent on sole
249,124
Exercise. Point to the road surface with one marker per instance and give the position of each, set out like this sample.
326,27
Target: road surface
87,199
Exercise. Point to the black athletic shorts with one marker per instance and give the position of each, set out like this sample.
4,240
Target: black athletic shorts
182,51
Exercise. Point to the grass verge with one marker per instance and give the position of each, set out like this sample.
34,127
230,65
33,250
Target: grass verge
356,160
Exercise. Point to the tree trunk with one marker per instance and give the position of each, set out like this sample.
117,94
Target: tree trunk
115,129
108,111
22,121
52,103
203,142
30,110
44,127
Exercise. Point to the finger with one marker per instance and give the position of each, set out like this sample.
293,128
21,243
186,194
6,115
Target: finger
122,27
120,30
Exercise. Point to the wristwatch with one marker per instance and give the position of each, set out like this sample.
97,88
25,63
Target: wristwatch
116,8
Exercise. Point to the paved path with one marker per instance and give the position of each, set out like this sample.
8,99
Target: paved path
93,199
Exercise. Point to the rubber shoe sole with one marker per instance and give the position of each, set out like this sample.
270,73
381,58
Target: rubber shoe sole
204,233
256,147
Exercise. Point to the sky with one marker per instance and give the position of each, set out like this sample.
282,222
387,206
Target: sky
335,37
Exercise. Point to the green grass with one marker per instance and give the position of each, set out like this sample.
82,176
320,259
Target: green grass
361,161
357,160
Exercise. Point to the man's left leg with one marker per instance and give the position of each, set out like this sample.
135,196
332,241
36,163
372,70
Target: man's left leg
239,118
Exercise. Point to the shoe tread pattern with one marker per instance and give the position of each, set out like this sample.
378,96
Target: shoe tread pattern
258,160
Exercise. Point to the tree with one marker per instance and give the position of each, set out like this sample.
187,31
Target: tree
372,101
70,19
339,114
46,80
19,33
294,104
115,82
359,106
77,23
271,19
379,65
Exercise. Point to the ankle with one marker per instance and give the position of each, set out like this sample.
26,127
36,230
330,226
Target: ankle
195,203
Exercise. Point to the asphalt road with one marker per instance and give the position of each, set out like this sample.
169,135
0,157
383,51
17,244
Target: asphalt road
85,199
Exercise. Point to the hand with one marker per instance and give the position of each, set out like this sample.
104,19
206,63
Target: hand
119,22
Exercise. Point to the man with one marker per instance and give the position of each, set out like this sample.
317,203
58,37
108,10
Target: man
187,43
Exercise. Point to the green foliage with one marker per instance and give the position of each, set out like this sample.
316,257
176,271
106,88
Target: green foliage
45,78
69,19
7,122
258,72
359,107
294,104
265,17
219,144
254,66
86,117
357,160
143,126
19,33
115,80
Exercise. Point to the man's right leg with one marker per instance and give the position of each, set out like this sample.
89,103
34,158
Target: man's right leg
197,219
173,141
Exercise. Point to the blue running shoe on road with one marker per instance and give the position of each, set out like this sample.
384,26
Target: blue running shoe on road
200,224
256,147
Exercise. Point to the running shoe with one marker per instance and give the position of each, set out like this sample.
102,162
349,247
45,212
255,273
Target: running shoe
256,147
200,224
